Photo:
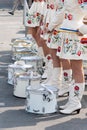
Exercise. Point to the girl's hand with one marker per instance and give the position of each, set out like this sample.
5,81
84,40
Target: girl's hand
79,33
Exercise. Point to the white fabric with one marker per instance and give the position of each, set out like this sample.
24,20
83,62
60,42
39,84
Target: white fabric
66,82
72,7
40,52
83,29
57,19
55,78
75,96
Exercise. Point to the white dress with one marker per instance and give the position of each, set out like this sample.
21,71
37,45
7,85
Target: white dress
50,10
70,46
44,13
34,14
54,25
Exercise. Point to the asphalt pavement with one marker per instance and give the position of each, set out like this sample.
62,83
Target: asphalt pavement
12,109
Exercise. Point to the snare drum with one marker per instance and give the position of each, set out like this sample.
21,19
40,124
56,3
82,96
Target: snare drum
20,84
42,100
35,80
22,48
14,68
22,53
35,61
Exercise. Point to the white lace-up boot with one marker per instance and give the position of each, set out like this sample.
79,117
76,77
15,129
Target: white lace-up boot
40,52
55,78
48,68
74,101
66,82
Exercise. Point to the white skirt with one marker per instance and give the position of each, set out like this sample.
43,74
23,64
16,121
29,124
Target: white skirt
70,47
34,17
53,40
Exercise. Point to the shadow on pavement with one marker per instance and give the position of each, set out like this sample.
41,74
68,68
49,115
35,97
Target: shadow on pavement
73,124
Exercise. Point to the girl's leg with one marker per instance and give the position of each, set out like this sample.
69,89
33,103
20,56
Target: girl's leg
76,89
55,77
66,77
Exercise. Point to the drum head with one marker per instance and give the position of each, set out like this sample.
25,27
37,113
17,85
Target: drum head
32,58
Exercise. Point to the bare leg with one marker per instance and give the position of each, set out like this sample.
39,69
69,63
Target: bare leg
32,31
66,64
42,43
77,71
76,90
16,3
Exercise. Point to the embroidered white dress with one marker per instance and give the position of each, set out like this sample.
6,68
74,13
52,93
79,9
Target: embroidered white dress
54,25
70,46
34,14
51,7
44,12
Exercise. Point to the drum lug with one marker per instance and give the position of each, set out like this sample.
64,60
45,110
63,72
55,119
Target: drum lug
28,96
45,97
28,108
48,99
43,109
56,107
35,110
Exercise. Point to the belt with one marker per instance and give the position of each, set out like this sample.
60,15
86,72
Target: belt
67,30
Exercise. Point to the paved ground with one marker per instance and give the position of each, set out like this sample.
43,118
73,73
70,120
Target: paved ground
12,109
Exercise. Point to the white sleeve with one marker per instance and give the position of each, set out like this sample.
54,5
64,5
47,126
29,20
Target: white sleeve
33,8
83,29
57,20
41,8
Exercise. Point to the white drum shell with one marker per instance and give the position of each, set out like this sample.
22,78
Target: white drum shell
13,69
18,54
35,61
35,81
37,103
20,85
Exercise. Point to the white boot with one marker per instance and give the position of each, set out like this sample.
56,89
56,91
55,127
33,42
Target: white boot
48,68
40,52
79,96
74,103
66,82
55,78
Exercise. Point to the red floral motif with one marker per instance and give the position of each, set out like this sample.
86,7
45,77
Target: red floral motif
55,32
76,88
52,6
49,57
67,41
79,53
29,21
48,6
83,40
80,1
59,49
47,24
37,14
65,16
65,74
70,16
49,39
